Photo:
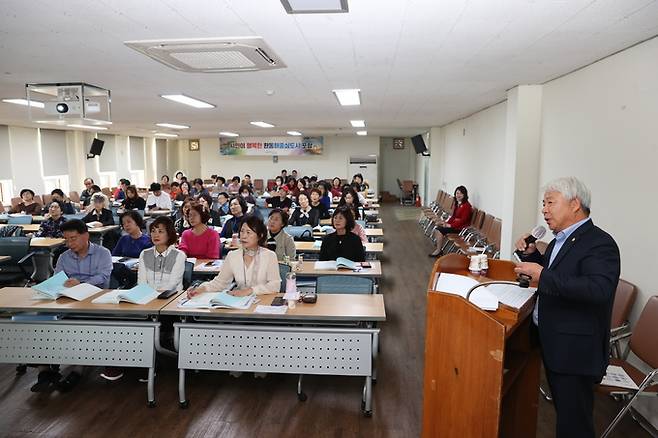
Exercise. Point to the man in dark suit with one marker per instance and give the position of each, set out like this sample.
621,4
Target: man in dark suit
577,278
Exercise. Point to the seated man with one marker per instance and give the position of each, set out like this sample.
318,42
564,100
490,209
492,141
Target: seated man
158,200
83,262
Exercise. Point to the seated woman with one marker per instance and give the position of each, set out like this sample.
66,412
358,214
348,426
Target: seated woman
342,243
184,191
317,205
57,195
206,202
200,241
304,214
238,209
247,194
336,188
253,267
164,183
130,245
51,226
28,204
174,190
351,199
461,218
220,185
234,187
282,201
132,200
278,183
99,211
162,266
325,194
299,188
183,222
278,240
134,241
197,188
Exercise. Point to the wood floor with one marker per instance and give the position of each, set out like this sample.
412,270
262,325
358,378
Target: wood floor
223,406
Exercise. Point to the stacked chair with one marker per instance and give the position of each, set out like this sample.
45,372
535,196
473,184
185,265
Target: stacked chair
481,236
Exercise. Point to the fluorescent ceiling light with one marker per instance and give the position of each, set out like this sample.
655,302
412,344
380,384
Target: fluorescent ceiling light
228,134
262,124
348,97
361,132
24,102
171,125
95,128
294,133
358,123
181,98
314,6
164,134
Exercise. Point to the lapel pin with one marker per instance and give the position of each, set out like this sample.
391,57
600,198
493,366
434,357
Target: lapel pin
573,239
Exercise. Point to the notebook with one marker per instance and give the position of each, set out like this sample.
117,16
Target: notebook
140,294
53,288
218,300
460,285
339,263
214,266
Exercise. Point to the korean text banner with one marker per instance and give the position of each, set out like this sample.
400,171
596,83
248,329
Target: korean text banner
271,146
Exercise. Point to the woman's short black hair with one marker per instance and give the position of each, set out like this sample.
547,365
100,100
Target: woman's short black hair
345,211
355,197
203,213
174,184
242,202
207,197
463,190
221,179
197,181
179,173
236,179
132,189
163,177
316,190
74,225
57,192
27,191
256,225
95,188
336,178
303,194
59,203
282,213
245,187
135,216
186,183
168,225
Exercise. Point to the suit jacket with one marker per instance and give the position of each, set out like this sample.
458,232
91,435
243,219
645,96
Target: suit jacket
576,294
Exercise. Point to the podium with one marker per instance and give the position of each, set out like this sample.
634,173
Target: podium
481,369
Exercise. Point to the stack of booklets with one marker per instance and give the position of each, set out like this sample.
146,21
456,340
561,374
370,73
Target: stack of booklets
129,262
211,266
53,288
140,294
485,297
339,263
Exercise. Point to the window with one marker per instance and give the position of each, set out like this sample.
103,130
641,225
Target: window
107,179
137,178
6,190
56,182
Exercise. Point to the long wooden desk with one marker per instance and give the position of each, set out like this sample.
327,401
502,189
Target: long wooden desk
304,340
4,218
27,228
102,231
46,242
124,337
372,224
371,248
370,232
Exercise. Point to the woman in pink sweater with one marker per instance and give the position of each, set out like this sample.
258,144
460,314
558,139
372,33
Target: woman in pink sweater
200,241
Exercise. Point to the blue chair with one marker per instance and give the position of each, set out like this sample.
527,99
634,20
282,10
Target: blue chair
19,220
283,271
362,223
344,284
14,270
261,202
187,275
264,212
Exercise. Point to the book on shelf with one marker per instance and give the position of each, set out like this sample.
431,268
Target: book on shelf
140,294
53,288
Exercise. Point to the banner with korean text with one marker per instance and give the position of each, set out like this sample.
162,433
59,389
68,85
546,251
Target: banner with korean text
271,146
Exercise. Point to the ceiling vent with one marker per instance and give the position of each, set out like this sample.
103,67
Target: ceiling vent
211,55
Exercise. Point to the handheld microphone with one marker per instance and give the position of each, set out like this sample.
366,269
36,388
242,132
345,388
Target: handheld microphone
536,234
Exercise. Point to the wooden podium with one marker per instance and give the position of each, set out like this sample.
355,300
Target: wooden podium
481,371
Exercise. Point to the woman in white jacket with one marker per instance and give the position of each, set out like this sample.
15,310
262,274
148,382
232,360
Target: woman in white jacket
253,267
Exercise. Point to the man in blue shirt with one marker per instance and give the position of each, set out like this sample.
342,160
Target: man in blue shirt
577,277
84,262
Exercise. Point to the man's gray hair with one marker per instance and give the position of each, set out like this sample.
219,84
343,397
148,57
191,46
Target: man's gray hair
571,188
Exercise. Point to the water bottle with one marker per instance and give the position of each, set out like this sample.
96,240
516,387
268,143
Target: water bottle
291,283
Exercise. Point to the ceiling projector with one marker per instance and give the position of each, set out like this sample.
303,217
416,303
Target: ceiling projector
70,107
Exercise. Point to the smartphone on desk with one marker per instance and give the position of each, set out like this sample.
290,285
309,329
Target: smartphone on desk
366,265
167,294
278,301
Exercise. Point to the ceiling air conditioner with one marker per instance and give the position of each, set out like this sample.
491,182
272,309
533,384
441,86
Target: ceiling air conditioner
211,55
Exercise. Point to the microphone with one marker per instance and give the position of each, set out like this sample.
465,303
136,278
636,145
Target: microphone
536,234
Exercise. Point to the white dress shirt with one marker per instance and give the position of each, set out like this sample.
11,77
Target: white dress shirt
262,275
162,202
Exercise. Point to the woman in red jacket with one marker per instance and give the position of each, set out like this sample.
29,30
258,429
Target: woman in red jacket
461,218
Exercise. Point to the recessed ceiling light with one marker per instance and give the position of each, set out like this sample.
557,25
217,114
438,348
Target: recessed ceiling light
314,6
95,128
24,102
181,98
294,133
171,125
164,134
358,123
262,124
361,132
348,97
229,134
